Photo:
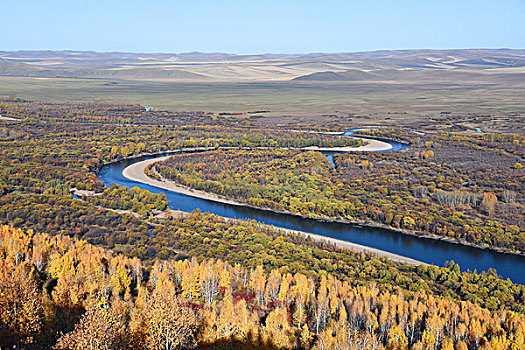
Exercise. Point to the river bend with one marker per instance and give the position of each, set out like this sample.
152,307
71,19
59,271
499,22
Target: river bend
430,251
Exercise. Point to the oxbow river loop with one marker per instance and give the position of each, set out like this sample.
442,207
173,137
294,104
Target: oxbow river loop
419,248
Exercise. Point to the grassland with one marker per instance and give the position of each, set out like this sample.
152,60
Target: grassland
344,102
347,89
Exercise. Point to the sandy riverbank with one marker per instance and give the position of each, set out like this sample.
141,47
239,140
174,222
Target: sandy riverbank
135,172
9,119
371,145
357,247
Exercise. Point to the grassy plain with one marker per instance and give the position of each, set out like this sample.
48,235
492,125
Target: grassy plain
344,102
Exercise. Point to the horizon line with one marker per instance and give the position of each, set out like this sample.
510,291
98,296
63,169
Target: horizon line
265,53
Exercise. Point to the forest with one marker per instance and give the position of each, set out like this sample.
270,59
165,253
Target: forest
66,293
440,186
85,265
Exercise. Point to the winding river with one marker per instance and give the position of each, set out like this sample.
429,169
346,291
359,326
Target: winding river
422,249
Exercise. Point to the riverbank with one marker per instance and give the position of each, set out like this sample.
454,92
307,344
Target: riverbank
135,172
9,119
370,146
355,247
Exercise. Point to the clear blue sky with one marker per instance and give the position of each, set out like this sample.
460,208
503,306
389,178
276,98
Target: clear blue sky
259,26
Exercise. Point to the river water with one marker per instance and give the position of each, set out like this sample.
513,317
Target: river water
423,249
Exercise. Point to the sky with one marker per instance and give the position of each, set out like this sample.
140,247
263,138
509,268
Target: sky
259,26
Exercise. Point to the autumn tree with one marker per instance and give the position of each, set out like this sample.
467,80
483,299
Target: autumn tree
21,308
98,329
170,324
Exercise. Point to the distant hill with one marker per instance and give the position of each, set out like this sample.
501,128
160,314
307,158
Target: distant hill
17,68
355,75
208,67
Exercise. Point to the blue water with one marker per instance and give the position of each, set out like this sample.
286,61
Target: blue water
396,146
330,157
478,130
422,249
